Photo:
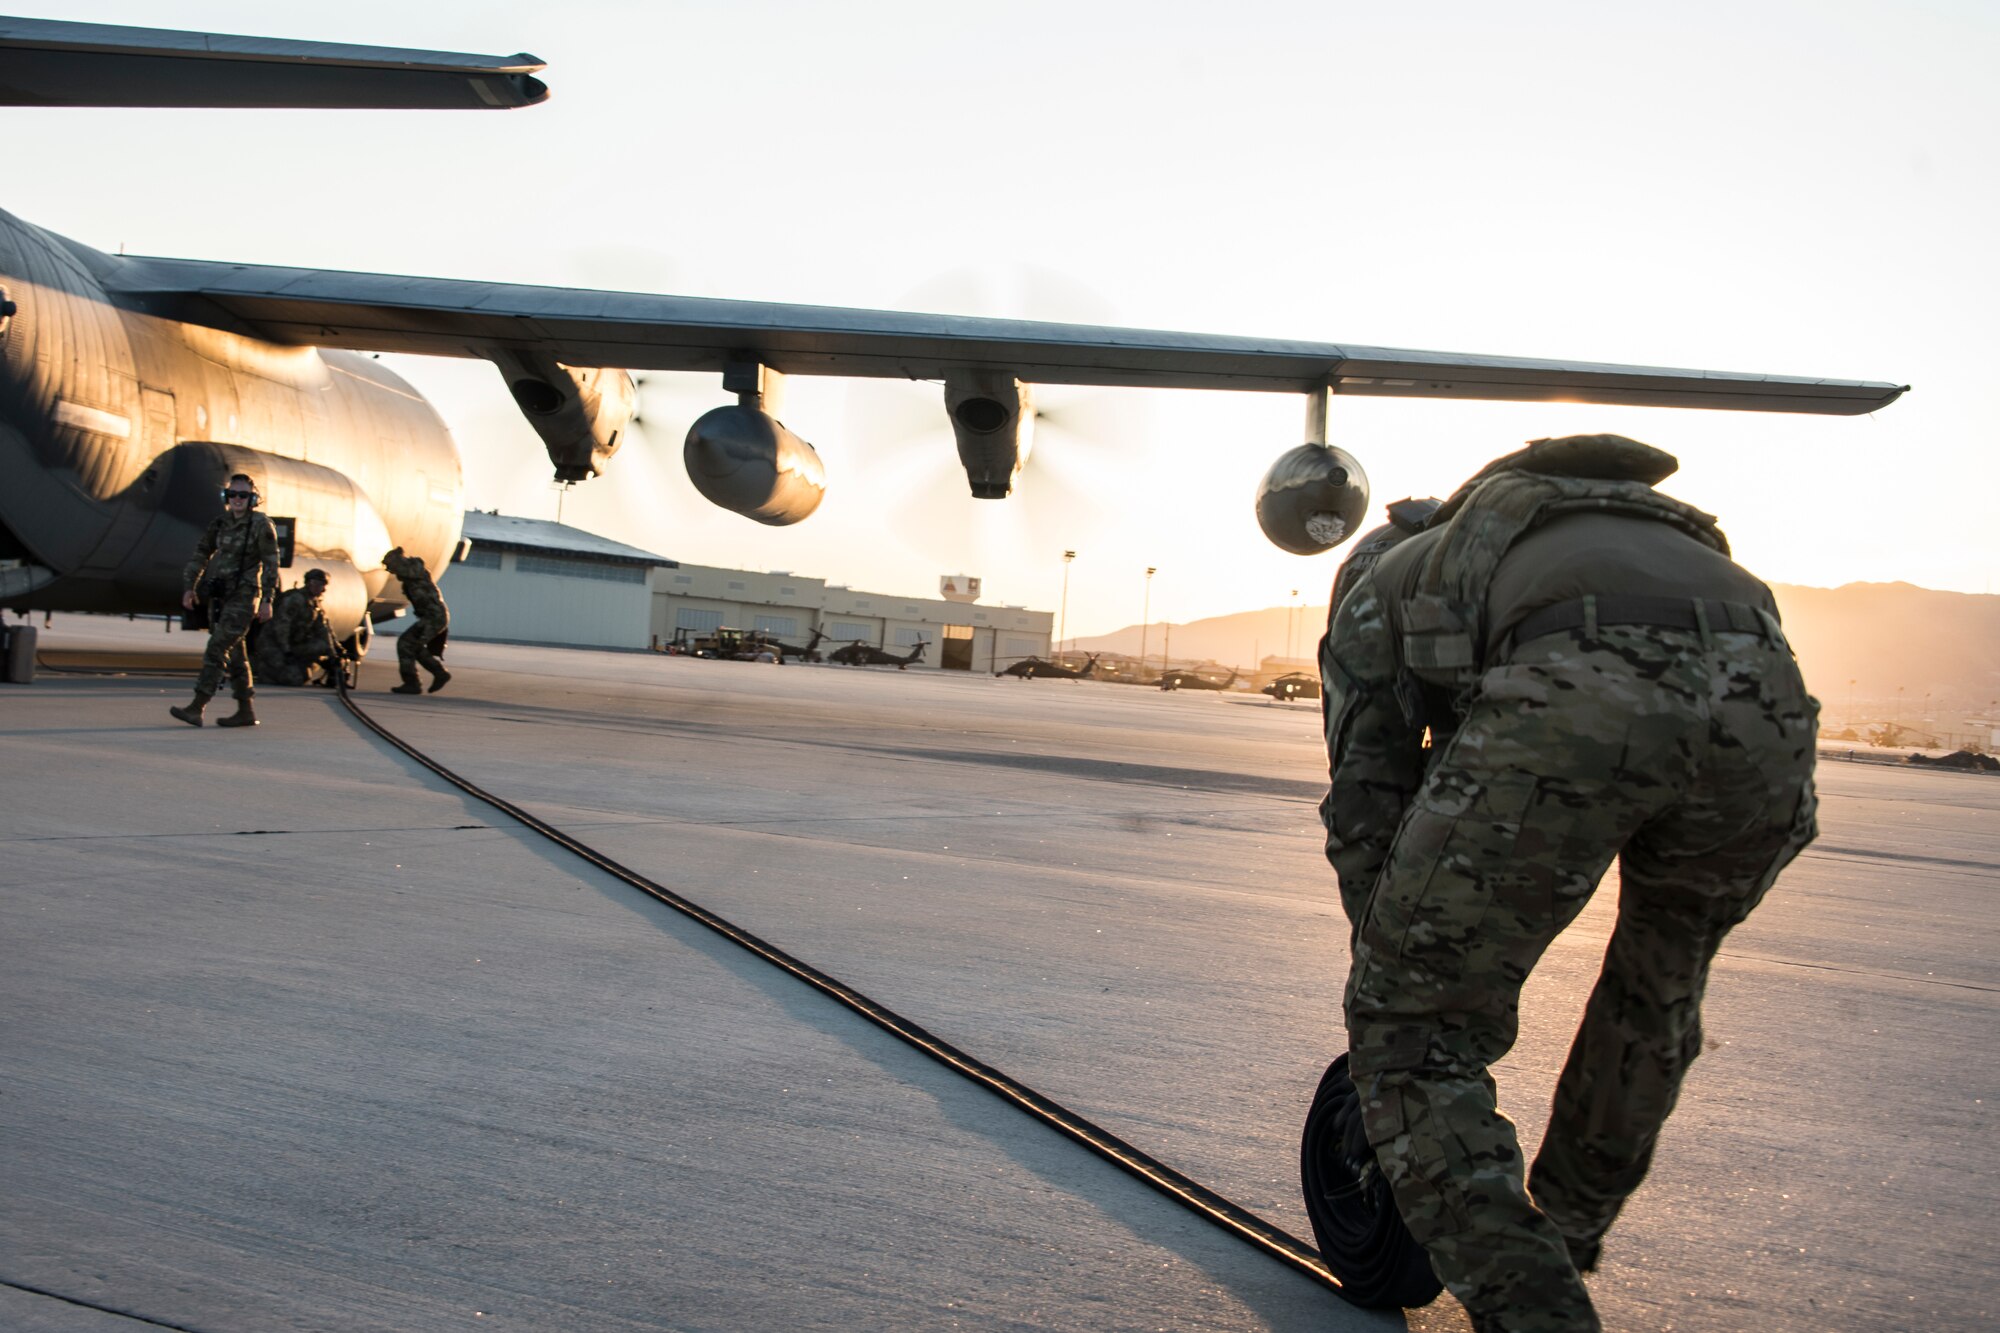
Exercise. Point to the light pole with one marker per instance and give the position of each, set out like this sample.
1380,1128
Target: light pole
1062,624
1292,627
1146,618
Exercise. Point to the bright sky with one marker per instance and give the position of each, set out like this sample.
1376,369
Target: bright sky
1805,188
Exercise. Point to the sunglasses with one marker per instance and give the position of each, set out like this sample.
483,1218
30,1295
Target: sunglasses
238,495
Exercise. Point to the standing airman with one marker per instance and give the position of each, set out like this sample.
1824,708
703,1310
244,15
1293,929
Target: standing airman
234,573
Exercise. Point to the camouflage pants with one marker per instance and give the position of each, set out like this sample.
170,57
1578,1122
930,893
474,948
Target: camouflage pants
1692,765
413,647
228,622
276,668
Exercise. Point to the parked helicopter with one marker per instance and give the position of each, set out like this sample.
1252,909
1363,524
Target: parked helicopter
867,654
1194,680
809,653
1030,667
1293,685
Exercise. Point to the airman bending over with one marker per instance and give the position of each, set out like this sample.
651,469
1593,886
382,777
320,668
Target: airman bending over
418,645
1597,679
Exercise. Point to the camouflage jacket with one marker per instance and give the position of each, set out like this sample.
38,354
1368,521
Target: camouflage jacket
1380,705
299,627
418,585
241,551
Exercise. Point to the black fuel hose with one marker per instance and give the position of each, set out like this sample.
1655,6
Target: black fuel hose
1240,1222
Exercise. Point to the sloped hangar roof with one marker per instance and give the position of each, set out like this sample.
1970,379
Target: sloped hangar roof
505,532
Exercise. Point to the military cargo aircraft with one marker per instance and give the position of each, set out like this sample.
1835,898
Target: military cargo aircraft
131,388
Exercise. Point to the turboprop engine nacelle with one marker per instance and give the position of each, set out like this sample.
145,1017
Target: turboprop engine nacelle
993,418
1313,499
743,459
579,411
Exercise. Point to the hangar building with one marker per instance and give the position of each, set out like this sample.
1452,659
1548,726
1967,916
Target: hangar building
531,581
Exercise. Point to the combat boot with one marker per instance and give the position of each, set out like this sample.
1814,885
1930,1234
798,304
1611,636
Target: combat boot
192,713
409,686
244,716
439,676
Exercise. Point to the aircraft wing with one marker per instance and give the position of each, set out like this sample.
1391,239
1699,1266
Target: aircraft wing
45,62
635,331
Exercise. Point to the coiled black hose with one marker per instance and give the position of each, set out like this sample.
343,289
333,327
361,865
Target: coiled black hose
1362,1238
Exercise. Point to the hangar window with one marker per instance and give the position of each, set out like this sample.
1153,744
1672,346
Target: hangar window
861,604
783,625
788,592
907,638
689,617
683,579
579,569
735,585
479,557
847,631
1020,647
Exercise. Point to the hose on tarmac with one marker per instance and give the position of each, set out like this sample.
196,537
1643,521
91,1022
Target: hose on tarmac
1374,1262
1240,1222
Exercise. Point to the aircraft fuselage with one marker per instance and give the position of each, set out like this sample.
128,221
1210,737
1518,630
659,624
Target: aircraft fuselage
118,425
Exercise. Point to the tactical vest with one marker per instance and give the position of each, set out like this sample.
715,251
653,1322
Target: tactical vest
1444,617
1406,519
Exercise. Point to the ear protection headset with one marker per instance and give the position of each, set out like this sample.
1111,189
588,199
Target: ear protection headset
256,497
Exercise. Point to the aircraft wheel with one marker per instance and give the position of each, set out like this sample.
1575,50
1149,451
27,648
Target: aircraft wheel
1361,1235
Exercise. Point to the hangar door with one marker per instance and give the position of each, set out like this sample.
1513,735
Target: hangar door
955,653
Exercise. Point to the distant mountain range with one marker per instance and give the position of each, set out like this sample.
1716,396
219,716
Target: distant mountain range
1241,640
1889,645
1872,648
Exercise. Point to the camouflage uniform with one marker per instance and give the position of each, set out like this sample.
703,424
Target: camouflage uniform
295,639
1683,750
414,647
239,559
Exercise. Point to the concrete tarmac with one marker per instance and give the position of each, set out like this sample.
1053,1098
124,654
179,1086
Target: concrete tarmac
299,1037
